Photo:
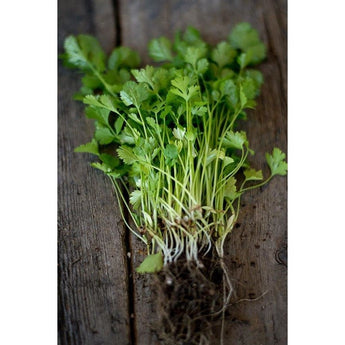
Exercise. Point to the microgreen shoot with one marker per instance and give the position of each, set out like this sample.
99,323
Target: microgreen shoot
168,135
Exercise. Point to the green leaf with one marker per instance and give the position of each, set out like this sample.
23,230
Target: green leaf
152,123
161,78
127,155
133,93
212,155
135,199
126,98
109,160
243,98
257,53
230,189
181,88
73,54
253,175
99,114
135,118
230,91
171,154
191,134
152,263
118,124
228,160
202,66
129,136
191,35
160,49
108,102
276,162
91,147
235,140
100,166
181,83
92,51
199,110
104,136
250,88
144,75
92,100
91,81
179,133
110,168
193,54
84,52
103,101
123,57
245,38
171,151
223,54
244,60
254,75
115,79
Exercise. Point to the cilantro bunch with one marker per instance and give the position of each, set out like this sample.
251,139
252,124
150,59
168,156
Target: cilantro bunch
167,136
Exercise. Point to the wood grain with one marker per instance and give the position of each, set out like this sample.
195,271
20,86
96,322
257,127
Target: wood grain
257,247
93,293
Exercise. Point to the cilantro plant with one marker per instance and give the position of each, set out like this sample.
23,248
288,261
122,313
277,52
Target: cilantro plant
167,136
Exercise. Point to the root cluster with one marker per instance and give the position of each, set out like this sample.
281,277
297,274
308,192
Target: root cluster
190,297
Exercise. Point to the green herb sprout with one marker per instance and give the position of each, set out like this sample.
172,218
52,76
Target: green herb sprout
167,136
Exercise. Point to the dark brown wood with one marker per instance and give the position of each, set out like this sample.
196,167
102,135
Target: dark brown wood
93,285
101,298
257,247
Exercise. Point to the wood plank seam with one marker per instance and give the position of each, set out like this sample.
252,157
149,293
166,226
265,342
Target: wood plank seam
127,241
116,7
130,277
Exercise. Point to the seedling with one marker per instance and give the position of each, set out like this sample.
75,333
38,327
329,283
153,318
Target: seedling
168,137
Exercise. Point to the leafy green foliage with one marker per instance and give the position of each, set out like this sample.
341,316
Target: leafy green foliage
253,175
152,263
127,155
171,154
135,199
183,89
133,93
235,140
123,57
103,135
84,52
160,49
276,162
91,147
246,39
169,135
98,113
230,190
224,54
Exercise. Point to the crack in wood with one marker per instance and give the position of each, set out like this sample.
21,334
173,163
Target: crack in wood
130,281
127,241
118,30
277,60
90,10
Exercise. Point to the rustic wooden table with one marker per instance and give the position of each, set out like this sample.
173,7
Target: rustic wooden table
101,298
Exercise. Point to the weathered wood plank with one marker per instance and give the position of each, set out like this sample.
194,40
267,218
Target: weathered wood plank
257,248
93,293
144,313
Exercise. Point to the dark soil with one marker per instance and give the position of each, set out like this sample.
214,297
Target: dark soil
190,298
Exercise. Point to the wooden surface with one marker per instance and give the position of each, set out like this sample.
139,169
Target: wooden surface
101,299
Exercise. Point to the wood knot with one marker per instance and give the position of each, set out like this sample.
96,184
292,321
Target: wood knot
281,256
